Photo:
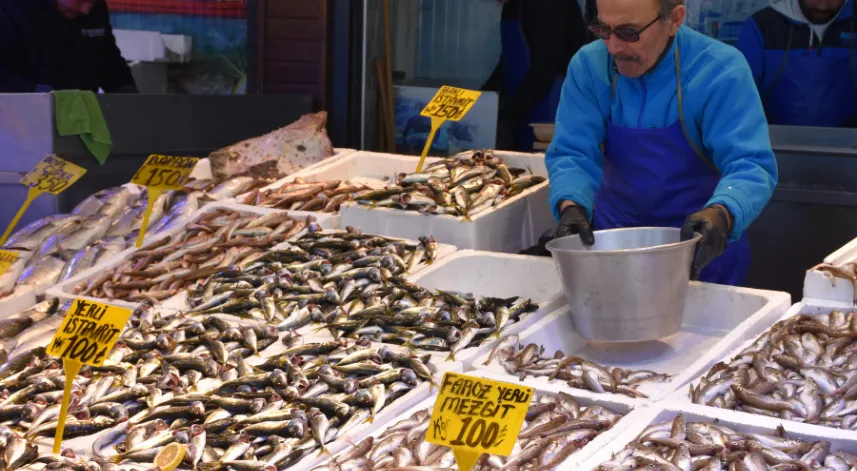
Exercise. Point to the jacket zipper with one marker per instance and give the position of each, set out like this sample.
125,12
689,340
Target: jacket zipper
643,107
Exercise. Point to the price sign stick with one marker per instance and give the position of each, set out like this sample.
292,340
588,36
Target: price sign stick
436,123
154,193
72,368
32,194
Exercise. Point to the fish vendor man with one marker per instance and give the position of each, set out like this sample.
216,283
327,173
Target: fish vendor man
659,125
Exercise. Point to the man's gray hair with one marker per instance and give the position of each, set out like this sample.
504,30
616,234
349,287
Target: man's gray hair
667,7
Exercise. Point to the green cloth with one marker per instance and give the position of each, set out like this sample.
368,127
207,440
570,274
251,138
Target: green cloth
78,113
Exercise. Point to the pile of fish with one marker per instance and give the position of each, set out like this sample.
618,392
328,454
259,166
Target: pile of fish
322,275
17,452
676,445
529,361
323,197
460,186
214,242
56,248
175,378
847,271
26,330
555,428
803,369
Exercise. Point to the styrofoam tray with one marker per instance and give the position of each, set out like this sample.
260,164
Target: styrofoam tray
615,404
511,227
742,423
817,285
807,307
498,275
20,299
63,290
715,318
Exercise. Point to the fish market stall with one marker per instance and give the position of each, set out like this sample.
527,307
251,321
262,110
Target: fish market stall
802,369
673,436
562,429
715,318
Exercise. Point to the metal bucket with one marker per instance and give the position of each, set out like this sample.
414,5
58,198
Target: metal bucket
631,286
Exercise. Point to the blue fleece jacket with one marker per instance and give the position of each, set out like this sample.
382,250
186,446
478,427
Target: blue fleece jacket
722,111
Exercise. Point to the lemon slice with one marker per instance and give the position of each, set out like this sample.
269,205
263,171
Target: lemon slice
170,457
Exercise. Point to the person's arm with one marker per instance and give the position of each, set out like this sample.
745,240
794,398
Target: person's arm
735,135
12,47
574,159
545,22
116,77
752,45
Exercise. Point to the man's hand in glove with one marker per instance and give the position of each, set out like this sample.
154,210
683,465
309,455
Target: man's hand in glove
573,220
714,223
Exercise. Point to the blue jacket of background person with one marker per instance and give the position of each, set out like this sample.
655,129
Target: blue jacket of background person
805,72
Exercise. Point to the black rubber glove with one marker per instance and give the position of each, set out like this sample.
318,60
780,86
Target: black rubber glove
574,221
713,224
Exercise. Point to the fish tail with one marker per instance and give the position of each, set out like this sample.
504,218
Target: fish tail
451,356
433,385
324,451
370,419
466,218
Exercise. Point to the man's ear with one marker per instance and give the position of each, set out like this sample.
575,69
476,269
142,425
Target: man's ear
677,18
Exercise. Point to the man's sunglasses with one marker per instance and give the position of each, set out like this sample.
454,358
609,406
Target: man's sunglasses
625,33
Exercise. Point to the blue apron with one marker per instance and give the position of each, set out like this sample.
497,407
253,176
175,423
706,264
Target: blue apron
516,63
657,177
811,89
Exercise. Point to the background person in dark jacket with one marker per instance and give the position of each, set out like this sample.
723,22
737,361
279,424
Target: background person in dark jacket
802,54
60,45
539,38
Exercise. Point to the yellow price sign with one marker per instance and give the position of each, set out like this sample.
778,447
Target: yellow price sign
52,175
161,173
86,336
475,415
7,258
448,104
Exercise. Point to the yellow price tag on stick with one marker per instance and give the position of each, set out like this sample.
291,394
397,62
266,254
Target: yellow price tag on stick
449,104
158,174
52,175
475,415
86,336
7,258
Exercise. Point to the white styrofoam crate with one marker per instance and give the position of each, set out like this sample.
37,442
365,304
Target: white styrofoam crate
741,423
21,298
807,307
63,290
497,275
615,404
818,285
716,317
514,225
